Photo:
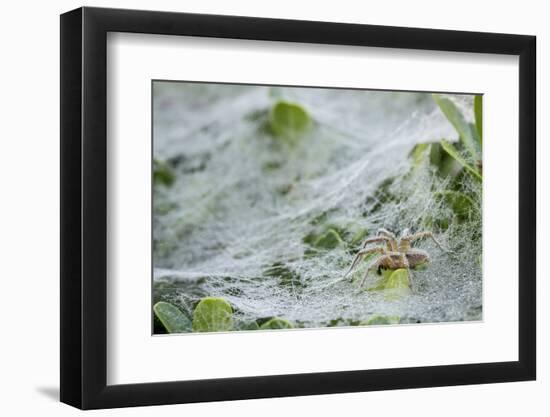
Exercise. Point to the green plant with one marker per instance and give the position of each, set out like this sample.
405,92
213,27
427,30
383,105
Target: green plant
171,317
251,325
461,203
329,240
276,323
468,151
289,121
213,314
326,235
378,319
459,162
286,276
394,283
162,173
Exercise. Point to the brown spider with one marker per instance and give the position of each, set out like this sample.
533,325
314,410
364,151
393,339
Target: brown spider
397,254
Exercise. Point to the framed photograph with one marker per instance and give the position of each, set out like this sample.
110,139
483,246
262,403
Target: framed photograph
256,208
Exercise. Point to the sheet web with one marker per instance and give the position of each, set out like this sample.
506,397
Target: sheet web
235,223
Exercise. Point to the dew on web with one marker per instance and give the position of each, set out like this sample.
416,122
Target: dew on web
239,218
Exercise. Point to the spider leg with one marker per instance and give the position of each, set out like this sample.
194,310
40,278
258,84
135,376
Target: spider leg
362,253
372,267
376,239
404,260
411,281
385,232
422,235
391,244
375,265
407,266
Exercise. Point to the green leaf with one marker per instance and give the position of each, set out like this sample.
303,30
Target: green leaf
358,237
467,136
452,151
459,202
419,153
213,314
473,128
381,283
398,284
173,320
252,325
446,165
434,154
276,323
328,240
394,283
162,174
478,111
286,276
378,319
289,121
398,279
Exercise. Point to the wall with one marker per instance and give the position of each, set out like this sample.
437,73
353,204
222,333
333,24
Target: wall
29,212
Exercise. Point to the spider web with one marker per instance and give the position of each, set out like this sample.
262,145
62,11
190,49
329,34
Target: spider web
234,222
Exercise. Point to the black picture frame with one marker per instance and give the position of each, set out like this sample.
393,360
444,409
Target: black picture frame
84,207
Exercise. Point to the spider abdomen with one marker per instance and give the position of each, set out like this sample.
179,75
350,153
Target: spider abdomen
417,257
393,262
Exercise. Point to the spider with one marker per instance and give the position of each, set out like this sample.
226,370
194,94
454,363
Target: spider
396,254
